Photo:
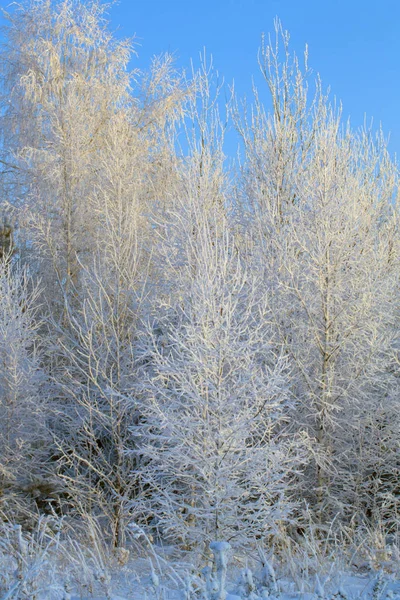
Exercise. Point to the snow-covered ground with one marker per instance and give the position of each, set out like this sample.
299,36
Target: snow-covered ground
47,566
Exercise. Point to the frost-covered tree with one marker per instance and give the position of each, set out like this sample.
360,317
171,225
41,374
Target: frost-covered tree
63,76
214,393
320,204
68,100
85,161
92,352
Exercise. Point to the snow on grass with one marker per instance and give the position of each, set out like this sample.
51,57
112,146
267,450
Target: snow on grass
47,564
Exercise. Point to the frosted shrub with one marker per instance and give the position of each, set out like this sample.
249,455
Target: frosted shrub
22,410
29,561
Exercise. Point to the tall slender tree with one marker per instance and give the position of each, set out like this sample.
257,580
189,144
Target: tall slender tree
323,217
216,459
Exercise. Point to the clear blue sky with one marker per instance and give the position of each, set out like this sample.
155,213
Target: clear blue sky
353,44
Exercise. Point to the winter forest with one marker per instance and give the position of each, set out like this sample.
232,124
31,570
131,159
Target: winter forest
199,353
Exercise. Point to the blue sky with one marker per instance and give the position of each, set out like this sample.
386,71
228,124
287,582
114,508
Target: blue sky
353,44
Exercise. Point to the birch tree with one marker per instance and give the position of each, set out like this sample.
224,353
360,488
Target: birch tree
94,351
67,92
324,228
85,160
64,75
